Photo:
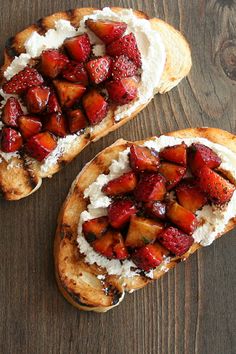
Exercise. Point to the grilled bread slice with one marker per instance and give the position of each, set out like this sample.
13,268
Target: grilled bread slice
29,174
78,280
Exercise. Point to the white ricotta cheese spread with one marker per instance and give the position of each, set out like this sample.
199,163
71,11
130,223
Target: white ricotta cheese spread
212,219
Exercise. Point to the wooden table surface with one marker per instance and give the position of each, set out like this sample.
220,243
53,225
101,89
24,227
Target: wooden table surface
192,309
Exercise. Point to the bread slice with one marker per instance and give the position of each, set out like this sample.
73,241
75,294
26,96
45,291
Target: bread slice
29,174
78,280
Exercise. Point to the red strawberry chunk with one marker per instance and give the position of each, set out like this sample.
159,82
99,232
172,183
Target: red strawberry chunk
56,124
149,257
181,217
111,245
37,98
75,72
143,159
95,107
25,79
119,212
172,173
104,244
190,196
11,140
79,47
200,155
40,145
123,67
99,69
121,185
52,62
11,111
76,120
107,31
29,125
126,45
176,154
176,241
53,104
156,209
151,186
119,249
95,228
69,93
122,91
215,186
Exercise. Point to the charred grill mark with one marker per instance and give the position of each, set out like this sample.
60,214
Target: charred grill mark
115,294
70,13
100,164
10,49
76,298
65,232
41,27
32,179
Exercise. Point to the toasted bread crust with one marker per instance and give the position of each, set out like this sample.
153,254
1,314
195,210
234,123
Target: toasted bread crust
66,233
177,66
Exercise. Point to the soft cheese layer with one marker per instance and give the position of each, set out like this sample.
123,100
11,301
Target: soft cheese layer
212,219
149,43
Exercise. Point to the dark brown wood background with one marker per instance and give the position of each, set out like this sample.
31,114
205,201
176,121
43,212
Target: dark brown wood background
192,309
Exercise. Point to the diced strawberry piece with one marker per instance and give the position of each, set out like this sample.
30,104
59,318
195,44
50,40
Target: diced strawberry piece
172,173
11,140
123,91
103,245
29,125
99,69
142,231
25,79
143,159
149,257
119,249
156,209
95,107
111,245
200,155
56,124
69,93
79,47
52,62
107,31
126,45
37,98
151,186
121,185
176,241
215,186
95,228
176,154
53,104
75,72
181,217
119,212
190,196
11,111
123,67
40,145
76,120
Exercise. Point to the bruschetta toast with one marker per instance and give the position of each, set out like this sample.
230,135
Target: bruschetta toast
49,87
167,197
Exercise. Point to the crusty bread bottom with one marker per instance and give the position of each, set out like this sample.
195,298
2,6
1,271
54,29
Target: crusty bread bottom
78,280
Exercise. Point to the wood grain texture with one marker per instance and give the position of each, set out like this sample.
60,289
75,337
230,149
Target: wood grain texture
190,310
